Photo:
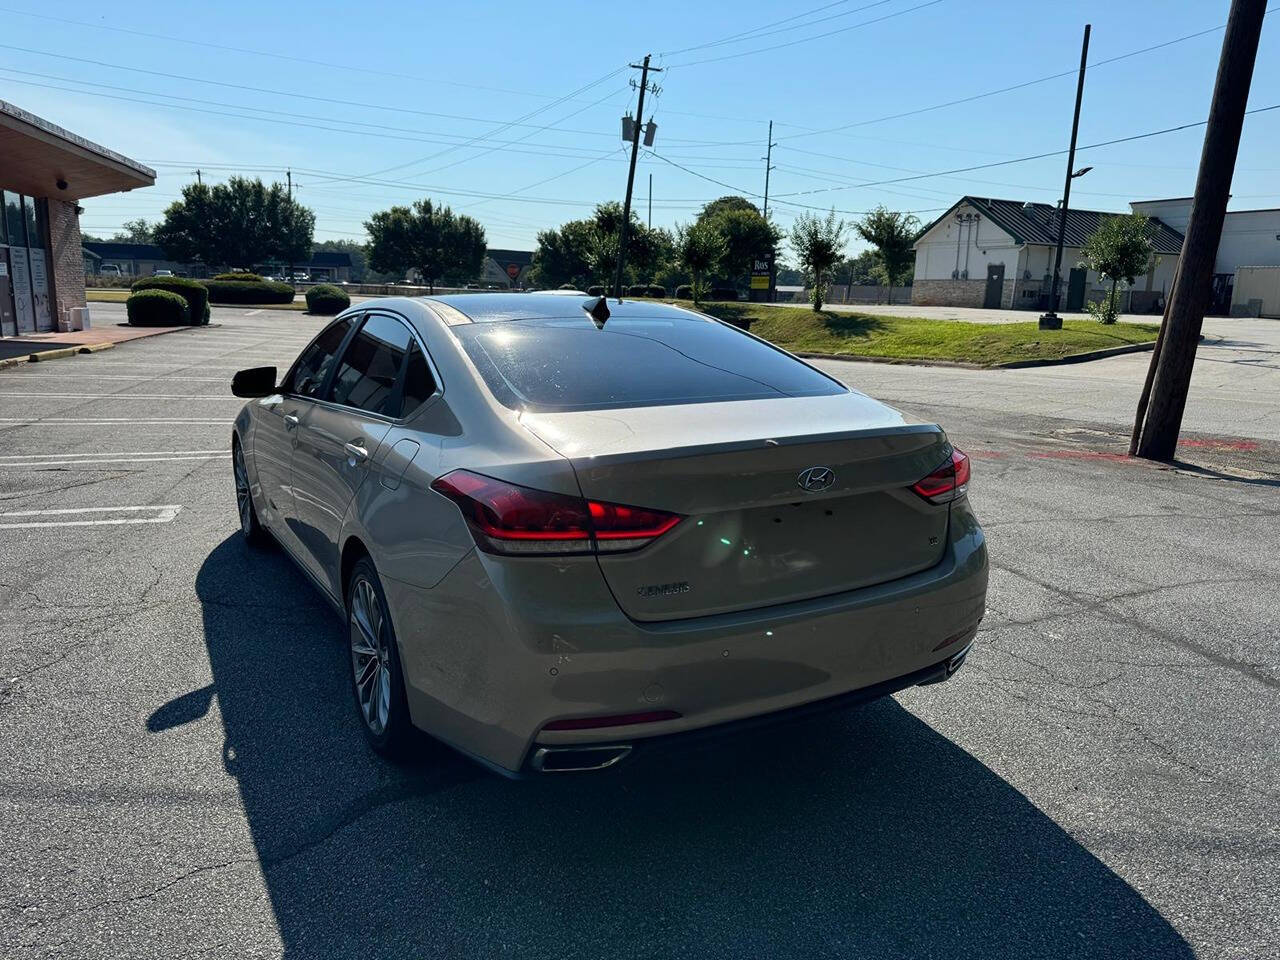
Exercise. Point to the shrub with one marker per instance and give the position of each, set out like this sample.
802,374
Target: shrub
595,290
638,290
192,291
567,286
327,299
241,291
724,293
657,291
246,277
157,308
684,292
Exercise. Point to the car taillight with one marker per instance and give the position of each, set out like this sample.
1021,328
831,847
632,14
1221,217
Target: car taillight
511,519
948,482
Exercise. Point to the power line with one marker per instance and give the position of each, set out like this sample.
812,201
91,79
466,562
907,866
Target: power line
1037,156
764,30
823,36
1015,86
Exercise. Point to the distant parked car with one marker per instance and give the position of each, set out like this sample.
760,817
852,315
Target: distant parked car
110,270
163,273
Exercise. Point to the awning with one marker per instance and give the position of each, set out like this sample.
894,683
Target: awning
36,155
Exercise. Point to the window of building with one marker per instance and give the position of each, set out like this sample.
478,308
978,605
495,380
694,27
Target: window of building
13,219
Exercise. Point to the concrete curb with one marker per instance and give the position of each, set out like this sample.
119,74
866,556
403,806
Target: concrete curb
56,353
1008,365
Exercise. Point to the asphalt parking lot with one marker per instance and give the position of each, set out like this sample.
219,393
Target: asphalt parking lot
184,773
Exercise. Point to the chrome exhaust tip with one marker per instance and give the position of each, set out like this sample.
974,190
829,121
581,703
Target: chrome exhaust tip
577,759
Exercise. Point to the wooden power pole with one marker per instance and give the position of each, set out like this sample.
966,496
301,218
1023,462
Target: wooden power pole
1192,288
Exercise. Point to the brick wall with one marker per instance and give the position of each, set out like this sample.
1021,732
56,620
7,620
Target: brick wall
949,293
66,269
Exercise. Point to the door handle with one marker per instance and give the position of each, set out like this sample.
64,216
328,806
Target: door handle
356,452
290,421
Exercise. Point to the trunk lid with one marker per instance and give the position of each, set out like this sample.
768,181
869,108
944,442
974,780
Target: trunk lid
783,499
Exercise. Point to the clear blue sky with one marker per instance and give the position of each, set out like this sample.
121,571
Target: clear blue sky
441,84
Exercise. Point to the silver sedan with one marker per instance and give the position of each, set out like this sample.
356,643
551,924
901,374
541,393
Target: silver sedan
563,529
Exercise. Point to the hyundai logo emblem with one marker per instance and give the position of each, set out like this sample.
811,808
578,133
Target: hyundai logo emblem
816,479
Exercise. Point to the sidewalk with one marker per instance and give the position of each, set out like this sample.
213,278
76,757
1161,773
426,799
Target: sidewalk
50,346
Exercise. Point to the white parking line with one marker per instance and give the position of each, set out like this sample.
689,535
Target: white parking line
89,463
113,421
106,453
163,513
120,396
107,376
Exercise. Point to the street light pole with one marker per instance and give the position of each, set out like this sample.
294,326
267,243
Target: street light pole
631,173
1051,320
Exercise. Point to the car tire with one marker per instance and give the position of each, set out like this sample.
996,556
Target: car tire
377,680
250,528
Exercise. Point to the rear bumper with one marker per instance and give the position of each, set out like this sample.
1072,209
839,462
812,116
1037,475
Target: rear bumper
604,756
498,649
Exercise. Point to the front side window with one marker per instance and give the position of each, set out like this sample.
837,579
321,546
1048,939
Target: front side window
309,372
366,375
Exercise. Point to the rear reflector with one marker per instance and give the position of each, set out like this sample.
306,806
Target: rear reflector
621,720
948,482
510,519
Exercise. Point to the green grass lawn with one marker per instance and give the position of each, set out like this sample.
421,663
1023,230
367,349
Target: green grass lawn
916,338
117,295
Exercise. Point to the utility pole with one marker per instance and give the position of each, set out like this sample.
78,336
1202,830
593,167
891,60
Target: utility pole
651,201
198,180
768,166
1191,289
631,172
1051,320
288,173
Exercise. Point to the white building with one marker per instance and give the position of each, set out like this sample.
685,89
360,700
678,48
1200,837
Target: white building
992,253
1250,238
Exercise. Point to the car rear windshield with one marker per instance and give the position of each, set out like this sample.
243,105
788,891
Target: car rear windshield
554,365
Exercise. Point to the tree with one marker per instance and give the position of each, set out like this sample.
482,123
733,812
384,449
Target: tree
747,235
724,205
817,243
135,231
431,239
585,252
1119,249
700,248
239,223
892,233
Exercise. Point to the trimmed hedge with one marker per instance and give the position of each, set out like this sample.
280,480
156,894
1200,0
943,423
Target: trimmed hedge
595,291
246,277
684,292
724,293
657,291
325,298
192,291
241,291
157,308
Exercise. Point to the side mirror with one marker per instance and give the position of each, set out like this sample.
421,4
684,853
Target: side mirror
254,382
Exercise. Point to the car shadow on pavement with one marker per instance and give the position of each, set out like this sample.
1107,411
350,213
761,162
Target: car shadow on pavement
861,834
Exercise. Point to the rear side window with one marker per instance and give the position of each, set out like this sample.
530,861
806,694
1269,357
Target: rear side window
419,384
313,365
548,365
367,373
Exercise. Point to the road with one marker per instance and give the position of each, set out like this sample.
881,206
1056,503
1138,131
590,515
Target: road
185,776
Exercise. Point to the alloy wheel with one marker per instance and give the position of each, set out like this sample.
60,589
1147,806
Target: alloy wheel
244,500
370,655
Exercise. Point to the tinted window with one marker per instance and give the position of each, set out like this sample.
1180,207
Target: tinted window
314,363
419,384
366,376
570,365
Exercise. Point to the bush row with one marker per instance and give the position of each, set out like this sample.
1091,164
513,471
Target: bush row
192,291
246,277
249,291
325,298
157,308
